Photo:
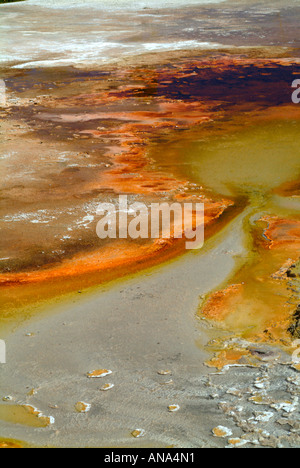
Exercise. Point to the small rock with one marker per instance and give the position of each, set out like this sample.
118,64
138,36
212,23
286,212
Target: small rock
82,407
97,374
237,442
7,398
137,433
173,408
106,387
221,431
286,406
168,382
264,416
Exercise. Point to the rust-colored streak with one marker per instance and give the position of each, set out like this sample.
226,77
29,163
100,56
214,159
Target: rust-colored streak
221,303
117,255
282,233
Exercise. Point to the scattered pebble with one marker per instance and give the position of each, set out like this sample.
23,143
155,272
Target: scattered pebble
261,382
173,408
106,387
261,399
7,398
168,382
233,391
164,372
138,433
237,442
287,406
294,380
222,431
97,374
264,416
82,407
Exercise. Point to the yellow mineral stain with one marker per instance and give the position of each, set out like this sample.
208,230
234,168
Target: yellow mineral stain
10,443
296,367
228,358
25,415
221,431
234,441
237,442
